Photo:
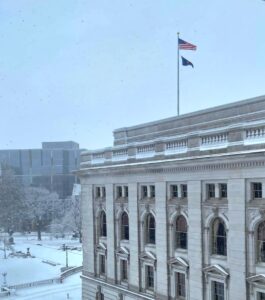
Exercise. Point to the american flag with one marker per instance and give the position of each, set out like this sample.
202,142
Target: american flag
183,45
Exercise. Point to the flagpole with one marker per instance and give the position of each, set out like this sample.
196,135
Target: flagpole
178,77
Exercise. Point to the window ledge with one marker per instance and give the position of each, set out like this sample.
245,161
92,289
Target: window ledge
260,264
121,199
150,292
221,257
180,250
153,246
124,283
125,242
102,238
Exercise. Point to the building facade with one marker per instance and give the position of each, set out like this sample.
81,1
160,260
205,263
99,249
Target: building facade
176,208
50,167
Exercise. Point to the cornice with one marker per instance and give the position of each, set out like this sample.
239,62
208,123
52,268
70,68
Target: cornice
235,160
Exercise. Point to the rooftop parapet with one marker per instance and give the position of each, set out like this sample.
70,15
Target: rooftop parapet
231,128
242,111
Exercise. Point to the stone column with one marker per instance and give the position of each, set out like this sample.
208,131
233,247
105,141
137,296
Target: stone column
88,225
111,266
134,281
236,245
161,241
217,190
195,240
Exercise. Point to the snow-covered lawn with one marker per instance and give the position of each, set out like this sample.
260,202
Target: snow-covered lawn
24,270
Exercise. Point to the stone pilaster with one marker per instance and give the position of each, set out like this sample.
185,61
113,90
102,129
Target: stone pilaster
111,265
195,240
161,241
237,238
88,225
134,282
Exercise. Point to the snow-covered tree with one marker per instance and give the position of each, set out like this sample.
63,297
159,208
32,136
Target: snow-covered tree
12,206
72,218
42,207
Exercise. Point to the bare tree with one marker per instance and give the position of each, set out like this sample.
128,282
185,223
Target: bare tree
72,218
11,201
42,207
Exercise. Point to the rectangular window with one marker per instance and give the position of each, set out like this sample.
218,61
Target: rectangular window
97,192
223,190
210,190
149,277
102,267
256,188
261,296
173,191
218,290
144,191
124,270
103,192
184,191
181,288
126,191
119,191
152,191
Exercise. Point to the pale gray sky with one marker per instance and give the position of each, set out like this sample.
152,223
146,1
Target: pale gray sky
77,70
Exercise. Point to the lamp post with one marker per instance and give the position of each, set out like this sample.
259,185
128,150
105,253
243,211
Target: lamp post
4,240
4,279
65,248
4,249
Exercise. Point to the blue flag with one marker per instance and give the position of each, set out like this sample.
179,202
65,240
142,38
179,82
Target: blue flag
186,62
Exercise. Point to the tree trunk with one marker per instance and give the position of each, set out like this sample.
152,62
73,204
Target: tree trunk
38,225
80,237
39,234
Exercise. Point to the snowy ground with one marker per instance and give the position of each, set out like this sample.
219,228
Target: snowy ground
70,289
23,270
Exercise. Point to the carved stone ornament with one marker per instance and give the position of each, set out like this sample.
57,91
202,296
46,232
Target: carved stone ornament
253,214
122,206
215,210
147,207
262,212
178,209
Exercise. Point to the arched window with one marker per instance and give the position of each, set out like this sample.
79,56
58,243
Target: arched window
181,233
103,224
124,226
261,242
218,237
150,229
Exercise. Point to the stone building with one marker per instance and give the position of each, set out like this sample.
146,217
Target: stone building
50,167
176,208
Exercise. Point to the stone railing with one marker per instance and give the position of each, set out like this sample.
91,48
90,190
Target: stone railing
214,141
70,272
118,155
255,135
173,146
55,280
145,151
98,158
176,147
35,283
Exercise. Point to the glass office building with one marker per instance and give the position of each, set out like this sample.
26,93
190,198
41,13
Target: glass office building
50,167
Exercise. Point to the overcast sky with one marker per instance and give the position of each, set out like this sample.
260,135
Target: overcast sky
77,70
